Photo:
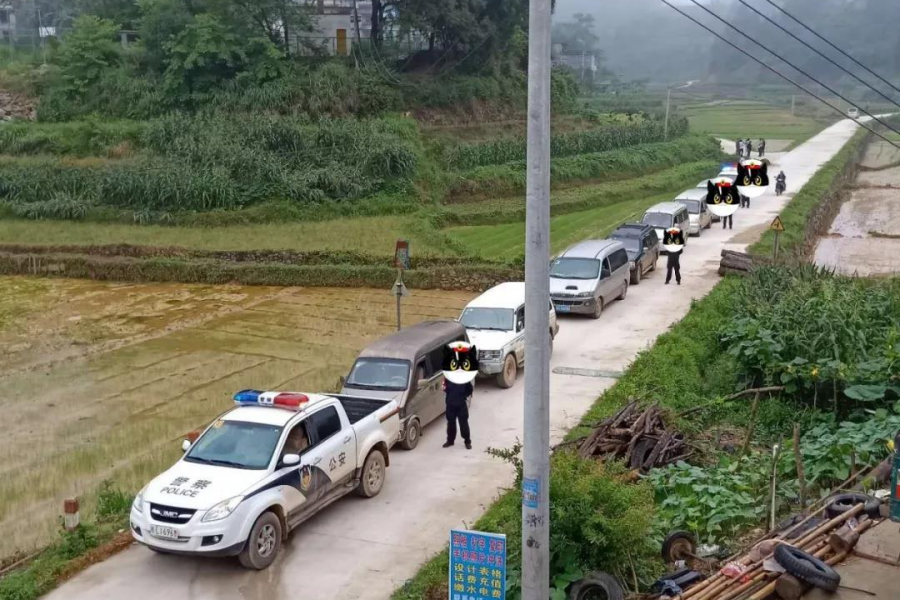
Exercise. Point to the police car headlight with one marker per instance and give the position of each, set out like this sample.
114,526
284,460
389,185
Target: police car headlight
222,509
138,503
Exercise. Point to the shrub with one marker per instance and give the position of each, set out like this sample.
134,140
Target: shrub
89,49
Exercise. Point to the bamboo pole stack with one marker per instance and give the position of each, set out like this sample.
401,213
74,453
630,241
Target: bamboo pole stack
831,541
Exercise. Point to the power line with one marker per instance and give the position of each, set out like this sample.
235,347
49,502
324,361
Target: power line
773,69
792,65
877,91
812,31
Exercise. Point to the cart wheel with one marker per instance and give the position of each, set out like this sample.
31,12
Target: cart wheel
679,545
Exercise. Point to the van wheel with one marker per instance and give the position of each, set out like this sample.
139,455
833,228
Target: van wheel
413,432
624,291
636,275
372,478
263,544
655,260
598,309
507,377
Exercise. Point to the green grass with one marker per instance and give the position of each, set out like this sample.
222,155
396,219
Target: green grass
731,120
376,235
506,240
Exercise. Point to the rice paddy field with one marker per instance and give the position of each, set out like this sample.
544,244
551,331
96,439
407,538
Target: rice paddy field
741,119
102,381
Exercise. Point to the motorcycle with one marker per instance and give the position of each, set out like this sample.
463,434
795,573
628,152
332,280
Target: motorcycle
779,188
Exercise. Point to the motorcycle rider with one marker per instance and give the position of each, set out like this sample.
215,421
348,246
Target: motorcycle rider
780,183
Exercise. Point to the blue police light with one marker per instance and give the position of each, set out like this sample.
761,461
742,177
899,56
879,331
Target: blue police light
247,397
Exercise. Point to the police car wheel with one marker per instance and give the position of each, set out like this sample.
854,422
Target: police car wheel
411,440
263,544
372,478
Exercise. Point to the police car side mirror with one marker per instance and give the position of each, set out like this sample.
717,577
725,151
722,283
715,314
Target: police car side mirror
186,445
290,460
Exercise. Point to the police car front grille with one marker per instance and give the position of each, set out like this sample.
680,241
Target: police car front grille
171,514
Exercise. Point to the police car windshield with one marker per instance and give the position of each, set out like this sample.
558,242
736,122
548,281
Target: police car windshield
379,374
236,444
500,319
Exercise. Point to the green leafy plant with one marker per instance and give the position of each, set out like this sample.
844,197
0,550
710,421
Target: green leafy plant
89,50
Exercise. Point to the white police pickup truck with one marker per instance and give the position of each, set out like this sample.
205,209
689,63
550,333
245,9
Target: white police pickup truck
261,469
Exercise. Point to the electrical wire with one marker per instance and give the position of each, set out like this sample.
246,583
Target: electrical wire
792,65
773,69
812,31
848,72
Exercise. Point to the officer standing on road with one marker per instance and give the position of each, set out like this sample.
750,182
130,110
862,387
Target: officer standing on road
727,221
673,263
457,399
761,147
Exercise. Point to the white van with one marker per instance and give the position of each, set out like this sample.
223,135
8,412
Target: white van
495,325
665,215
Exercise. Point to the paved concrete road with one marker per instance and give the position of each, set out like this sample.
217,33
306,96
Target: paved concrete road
366,548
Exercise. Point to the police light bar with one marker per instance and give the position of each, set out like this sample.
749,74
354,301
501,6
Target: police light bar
288,400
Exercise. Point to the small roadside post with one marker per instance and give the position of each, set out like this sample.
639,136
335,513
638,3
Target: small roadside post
477,565
778,227
401,261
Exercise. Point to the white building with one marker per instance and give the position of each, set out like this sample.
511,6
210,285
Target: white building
337,24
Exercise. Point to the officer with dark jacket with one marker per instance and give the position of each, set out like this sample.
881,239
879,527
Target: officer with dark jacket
457,399
673,238
673,263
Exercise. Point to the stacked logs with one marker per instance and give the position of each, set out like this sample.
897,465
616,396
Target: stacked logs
735,263
831,542
640,437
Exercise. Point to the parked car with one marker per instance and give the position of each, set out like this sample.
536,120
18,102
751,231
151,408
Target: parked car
702,196
666,215
495,324
588,276
263,468
700,216
406,367
642,245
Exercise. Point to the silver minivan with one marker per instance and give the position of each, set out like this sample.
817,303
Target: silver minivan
588,276
666,215
406,367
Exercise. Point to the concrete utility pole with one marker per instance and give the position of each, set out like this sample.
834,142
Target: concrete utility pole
536,471
668,102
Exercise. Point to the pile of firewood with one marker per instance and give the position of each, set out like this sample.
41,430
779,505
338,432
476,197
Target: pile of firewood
735,263
640,437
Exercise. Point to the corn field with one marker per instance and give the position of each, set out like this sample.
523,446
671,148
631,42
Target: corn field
602,139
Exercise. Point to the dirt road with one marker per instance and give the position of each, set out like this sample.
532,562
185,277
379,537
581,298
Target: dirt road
366,548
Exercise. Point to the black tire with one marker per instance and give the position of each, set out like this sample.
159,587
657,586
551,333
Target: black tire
807,567
371,480
841,503
507,377
678,545
598,309
624,291
413,433
596,586
641,453
636,274
655,260
263,543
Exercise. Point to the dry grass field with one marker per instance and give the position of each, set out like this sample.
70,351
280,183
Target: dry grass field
101,381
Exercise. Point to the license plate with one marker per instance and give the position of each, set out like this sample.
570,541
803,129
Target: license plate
166,533
562,308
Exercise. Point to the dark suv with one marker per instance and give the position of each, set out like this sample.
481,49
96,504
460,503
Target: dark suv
641,244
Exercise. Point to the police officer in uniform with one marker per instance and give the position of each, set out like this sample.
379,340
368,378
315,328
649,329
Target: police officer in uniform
457,399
